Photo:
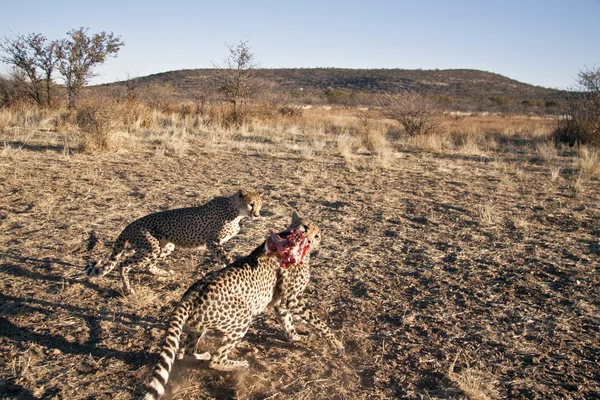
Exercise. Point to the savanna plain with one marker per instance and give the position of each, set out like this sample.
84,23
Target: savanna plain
457,265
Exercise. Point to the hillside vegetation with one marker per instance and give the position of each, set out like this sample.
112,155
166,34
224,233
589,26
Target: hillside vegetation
456,88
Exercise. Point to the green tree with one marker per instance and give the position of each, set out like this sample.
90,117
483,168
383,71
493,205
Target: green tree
79,54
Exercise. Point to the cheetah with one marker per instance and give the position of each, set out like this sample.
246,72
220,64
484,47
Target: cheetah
227,300
288,302
155,236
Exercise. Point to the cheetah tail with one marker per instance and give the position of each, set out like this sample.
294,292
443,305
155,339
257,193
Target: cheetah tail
99,268
160,375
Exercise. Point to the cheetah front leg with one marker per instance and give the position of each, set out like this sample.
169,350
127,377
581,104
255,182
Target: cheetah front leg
219,253
282,308
301,312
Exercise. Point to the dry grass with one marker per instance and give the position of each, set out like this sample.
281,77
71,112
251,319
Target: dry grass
487,214
425,255
554,173
475,384
588,162
546,151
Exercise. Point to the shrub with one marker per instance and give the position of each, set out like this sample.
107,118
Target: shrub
419,115
581,122
97,121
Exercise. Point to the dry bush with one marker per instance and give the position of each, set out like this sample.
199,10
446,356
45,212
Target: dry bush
419,115
97,120
581,122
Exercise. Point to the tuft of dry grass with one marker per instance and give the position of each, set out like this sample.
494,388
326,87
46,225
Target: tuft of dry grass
487,214
554,173
476,384
587,162
345,146
10,151
428,143
546,151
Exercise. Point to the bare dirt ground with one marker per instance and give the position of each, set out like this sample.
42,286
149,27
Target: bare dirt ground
445,275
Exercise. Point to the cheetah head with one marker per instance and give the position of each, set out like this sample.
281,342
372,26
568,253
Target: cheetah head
290,246
250,202
308,227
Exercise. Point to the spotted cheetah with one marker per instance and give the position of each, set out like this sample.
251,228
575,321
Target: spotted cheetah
226,301
155,236
288,302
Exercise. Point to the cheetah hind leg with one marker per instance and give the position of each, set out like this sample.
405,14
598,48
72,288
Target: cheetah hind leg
219,361
188,351
165,250
139,258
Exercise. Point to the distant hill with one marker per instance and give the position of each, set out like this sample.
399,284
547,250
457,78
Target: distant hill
459,84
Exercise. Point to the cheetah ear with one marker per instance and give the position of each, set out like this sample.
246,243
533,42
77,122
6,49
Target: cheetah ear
295,217
242,193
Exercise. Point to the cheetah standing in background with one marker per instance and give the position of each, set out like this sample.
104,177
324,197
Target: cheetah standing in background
155,236
227,300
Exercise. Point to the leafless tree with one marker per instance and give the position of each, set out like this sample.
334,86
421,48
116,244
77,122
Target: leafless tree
236,75
416,113
79,54
10,91
581,121
45,59
19,53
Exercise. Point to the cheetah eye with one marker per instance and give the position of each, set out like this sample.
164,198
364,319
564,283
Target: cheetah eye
317,237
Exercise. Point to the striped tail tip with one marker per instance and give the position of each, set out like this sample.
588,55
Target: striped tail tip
154,393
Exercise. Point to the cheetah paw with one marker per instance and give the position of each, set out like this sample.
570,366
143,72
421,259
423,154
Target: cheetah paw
193,357
337,345
228,365
294,337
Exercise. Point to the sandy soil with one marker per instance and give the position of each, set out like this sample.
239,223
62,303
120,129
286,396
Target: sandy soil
446,276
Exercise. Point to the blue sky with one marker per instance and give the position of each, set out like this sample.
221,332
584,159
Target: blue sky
544,43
